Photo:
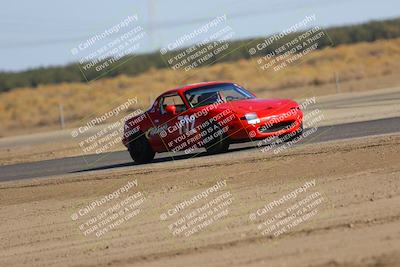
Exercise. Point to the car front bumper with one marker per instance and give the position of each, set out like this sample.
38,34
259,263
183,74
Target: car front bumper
268,126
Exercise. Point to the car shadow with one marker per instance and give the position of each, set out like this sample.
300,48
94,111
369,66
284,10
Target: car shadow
167,158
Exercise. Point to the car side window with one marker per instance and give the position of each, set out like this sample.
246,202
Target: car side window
175,100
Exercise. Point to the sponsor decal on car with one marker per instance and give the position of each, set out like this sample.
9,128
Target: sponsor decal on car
155,130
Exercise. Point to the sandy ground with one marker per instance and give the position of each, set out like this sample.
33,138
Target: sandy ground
356,224
337,108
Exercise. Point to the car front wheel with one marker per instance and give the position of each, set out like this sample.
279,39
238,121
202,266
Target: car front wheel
219,143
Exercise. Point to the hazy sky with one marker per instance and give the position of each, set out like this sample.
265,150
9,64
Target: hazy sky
43,32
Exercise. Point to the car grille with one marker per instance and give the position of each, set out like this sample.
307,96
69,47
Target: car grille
276,126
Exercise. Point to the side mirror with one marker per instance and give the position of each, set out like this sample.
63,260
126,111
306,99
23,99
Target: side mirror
170,109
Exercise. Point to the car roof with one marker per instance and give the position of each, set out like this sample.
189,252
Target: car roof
194,85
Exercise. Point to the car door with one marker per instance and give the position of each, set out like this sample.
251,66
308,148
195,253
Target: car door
166,133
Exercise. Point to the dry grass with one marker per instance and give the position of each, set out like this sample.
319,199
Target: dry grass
30,108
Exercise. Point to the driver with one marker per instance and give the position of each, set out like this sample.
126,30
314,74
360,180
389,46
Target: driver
209,98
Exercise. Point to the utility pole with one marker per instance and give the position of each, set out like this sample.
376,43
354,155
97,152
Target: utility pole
61,109
337,82
151,22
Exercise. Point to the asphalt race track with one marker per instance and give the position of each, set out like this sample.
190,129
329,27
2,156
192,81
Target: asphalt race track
122,159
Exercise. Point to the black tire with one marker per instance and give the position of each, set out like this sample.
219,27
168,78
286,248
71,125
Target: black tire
140,149
219,144
289,137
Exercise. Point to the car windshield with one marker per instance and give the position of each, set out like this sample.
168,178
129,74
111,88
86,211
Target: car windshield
217,93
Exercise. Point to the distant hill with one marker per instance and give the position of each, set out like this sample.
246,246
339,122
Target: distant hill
367,32
356,67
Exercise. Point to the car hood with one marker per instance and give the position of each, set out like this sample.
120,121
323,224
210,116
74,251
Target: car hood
263,107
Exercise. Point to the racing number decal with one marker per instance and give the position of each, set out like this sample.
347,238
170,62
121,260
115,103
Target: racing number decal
186,123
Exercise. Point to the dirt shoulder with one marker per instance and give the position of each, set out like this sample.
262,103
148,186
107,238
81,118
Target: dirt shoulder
356,224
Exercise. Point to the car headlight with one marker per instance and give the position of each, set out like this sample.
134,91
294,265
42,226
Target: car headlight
252,118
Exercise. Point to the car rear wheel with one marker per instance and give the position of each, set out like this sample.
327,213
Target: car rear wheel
140,150
218,143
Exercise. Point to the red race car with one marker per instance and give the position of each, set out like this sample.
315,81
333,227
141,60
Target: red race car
211,115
